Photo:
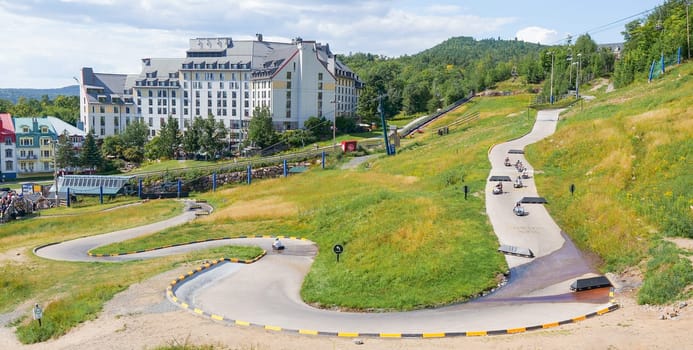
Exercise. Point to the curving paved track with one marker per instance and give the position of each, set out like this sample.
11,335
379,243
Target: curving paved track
268,292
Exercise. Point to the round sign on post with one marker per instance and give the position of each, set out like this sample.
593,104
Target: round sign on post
338,249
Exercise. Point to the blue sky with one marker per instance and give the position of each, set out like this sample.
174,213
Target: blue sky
45,43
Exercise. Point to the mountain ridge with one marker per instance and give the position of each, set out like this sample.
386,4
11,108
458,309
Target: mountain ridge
14,94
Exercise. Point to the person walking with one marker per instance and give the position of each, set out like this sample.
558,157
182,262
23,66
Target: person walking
38,314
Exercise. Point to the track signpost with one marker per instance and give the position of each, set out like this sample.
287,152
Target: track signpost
338,249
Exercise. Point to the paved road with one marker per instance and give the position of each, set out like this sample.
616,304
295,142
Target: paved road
268,291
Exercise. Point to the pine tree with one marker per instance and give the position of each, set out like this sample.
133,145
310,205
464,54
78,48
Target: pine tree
90,157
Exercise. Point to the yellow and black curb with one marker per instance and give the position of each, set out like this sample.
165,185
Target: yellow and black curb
171,295
187,243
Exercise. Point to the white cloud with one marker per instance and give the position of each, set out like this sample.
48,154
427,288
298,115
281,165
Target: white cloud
538,35
47,43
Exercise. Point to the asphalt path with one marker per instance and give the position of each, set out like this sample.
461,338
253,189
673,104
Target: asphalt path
267,292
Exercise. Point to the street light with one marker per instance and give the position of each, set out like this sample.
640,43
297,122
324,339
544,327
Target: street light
334,125
55,169
688,29
552,56
577,78
570,70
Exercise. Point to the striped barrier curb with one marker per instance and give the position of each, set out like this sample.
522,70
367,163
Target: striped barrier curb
106,255
173,286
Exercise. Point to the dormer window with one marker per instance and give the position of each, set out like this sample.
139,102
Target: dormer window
25,128
44,129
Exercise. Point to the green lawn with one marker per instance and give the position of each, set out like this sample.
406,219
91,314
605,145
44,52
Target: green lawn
403,220
629,155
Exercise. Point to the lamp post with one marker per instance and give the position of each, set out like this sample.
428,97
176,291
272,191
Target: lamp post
688,29
334,125
577,77
570,70
55,169
552,56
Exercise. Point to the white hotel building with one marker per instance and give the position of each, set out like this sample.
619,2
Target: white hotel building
226,79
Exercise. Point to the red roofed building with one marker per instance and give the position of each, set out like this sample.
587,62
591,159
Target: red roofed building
8,141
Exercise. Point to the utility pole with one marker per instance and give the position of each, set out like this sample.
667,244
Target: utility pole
334,125
552,56
55,169
382,119
688,29
577,78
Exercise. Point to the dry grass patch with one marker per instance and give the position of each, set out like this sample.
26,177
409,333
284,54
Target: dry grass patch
617,164
255,209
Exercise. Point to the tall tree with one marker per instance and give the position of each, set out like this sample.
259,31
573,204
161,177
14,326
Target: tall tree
260,131
65,152
169,139
320,127
90,156
213,136
112,146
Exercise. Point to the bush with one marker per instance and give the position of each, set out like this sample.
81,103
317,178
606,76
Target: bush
667,275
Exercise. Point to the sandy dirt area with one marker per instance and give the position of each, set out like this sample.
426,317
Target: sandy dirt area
142,318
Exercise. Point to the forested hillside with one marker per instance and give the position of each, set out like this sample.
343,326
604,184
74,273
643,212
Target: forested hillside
661,33
438,76
62,107
451,70
13,95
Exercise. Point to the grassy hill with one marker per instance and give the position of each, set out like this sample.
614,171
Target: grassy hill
629,154
410,238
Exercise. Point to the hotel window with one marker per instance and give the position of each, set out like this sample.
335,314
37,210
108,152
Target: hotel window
8,141
102,109
320,86
102,121
151,111
8,153
8,165
151,93
288,85
127,110
115,109
288,75
319,76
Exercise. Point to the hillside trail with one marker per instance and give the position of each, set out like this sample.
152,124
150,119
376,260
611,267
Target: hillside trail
142,318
